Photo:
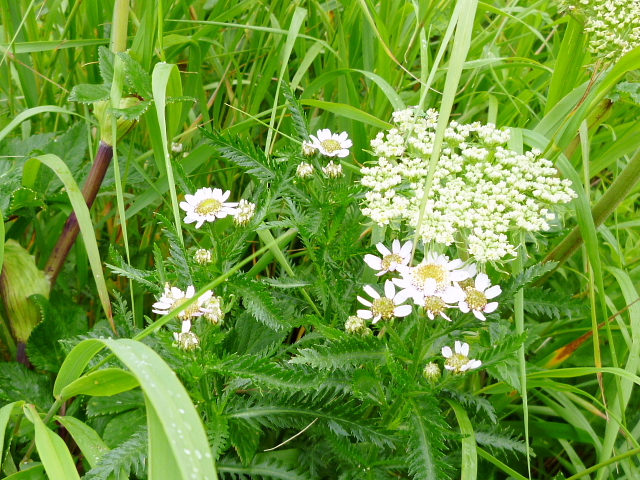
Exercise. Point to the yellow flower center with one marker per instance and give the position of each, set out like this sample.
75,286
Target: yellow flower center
424,272
476,299
457,361
187,313
389,260
383,307
467,284
331,145
435,305
208,206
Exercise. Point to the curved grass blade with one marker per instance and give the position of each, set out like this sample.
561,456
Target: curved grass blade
86,438
52,450
22,116
348,111
86,227
469,446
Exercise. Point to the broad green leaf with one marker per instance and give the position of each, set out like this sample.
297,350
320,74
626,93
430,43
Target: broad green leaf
85,93
86,226
53,452
33,473
101,383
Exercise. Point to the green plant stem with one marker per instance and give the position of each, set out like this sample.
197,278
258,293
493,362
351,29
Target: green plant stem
518,267
71,228
615,194
622,456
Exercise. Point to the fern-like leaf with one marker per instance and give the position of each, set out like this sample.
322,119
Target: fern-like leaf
343,354
123,269
178,254
243,154
526,277
539,301
263,468
131,457
297,114
426,442
501,441
263,372
259,302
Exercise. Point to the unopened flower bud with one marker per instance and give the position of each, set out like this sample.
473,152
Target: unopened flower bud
355,325
308,149
213,310
186,341
123,126
432,372
333,170
244,213
202,256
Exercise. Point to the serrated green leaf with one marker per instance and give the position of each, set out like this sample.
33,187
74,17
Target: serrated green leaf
263,468
25,198
258,301
131,113
129,456
136,78
105,62
245,438
124,426
85,93
243,154
346,353
425,442
297,114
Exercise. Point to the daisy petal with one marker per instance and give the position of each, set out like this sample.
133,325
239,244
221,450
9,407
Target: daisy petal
493,291
482,282
490,307
402,310
446,352
365,314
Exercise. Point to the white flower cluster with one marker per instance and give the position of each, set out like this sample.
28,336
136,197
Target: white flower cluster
480,189
207,205
207,305
613,25
435,284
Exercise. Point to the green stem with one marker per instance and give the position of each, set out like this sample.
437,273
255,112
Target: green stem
518,267
615,194
616,459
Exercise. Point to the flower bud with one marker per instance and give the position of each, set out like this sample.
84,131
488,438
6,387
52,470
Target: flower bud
20,279
123,126
186,341
432,372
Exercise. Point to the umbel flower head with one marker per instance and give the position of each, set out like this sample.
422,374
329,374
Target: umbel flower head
458,361
386,307
391,259
480,192
331,144
206,205
173,297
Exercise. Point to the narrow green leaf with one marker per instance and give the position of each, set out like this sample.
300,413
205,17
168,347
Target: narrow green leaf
5,415
347,111
469,446
30,112
86,226
52,450
86,438
33,473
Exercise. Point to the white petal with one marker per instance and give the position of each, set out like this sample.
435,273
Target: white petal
225,195
430,315
479,315
490,307
457,346
458,275
341,137
474,363
382,249
186,207
190,291
402,296
482,282
365,302
365,314
453,295
389,289
430,286
395,246
402,311
454,264
324,134
370,290
373,261
200,222
493,291
464,349
190,199
464,307
449,367
442,314
406,249
446,352
186,326
464,368
340,153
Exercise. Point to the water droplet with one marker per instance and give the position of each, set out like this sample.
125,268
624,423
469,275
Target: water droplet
187,452
198,454
181,411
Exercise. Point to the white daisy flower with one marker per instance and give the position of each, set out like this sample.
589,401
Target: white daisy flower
434,302
305,170
206,205
331,145
333,170
477,297
385,307
173,297
244,213
437,267
391,259
186,339
202,256
459,361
